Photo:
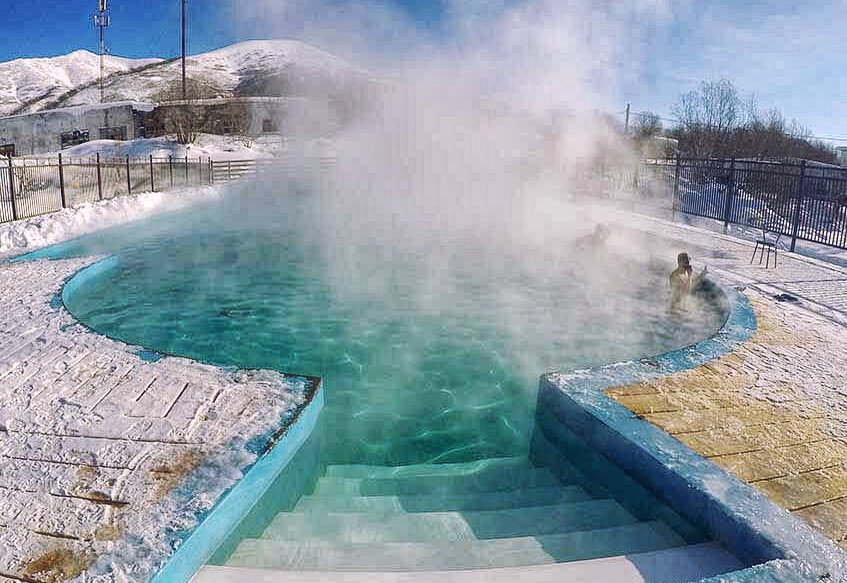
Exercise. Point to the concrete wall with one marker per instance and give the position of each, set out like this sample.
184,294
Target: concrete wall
235,115
41,132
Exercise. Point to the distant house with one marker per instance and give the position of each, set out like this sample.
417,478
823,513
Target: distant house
56,129
52,130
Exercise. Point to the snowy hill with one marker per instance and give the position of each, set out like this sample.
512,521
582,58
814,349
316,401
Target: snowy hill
44,79
269,67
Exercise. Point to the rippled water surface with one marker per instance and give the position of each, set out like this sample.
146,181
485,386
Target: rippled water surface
423,358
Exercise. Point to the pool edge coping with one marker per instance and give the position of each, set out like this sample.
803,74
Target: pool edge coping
217,526
731,511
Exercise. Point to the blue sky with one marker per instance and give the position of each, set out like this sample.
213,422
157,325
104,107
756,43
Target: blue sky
789,55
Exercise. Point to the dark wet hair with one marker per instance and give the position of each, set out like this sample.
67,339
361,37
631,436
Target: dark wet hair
682,259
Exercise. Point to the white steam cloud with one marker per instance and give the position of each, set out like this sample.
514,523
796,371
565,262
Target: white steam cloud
483,129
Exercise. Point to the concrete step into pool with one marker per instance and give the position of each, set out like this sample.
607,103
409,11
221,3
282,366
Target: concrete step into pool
499,519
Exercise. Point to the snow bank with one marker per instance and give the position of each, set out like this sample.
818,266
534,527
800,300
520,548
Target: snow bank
29,234
206,146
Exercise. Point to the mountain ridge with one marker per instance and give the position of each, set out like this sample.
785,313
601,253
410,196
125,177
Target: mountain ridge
252,67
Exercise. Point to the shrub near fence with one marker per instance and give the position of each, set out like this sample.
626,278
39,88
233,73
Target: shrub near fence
36,187
804,201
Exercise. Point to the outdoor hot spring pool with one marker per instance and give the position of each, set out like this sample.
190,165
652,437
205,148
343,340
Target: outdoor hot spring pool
426,357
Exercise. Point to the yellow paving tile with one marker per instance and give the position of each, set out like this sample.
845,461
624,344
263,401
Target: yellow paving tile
686,421
680,401
829,517
730,439
800,491
773,463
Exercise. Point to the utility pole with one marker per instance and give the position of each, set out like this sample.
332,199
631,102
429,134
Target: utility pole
101,21
183,50
626,123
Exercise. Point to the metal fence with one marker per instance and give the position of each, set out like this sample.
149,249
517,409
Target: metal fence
804,201
30,187
230,170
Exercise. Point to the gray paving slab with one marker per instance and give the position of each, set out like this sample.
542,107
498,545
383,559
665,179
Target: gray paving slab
95,442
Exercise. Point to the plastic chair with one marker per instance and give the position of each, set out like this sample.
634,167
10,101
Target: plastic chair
768,241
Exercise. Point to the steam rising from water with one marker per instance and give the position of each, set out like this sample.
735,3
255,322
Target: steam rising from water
480,131
447,219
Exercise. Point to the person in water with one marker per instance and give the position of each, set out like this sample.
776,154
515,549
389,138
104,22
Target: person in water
595,240
682,281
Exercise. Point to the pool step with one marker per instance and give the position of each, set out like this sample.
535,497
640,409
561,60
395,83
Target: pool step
443,502
499,465
448,526
465,554
689,563
487,481
496,519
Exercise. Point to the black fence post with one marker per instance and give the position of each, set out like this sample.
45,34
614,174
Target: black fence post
128,182
62,181
796,228
12,188
171,168
211,171
186,170
730,194
99,179
675,202
152,185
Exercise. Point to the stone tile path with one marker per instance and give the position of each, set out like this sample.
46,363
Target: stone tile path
774,412
93,439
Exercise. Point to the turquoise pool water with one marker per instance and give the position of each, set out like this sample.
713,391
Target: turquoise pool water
423,360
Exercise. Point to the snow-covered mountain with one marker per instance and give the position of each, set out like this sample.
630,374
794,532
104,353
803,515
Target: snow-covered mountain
42,80
267,67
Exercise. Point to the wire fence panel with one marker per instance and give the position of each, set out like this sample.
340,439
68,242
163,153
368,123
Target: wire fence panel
46,185
805,201
80,182
5,194
37,188
139,175
161,174
181,176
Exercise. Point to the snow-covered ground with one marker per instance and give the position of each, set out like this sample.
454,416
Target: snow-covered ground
111,456
216,147
211,146
18,237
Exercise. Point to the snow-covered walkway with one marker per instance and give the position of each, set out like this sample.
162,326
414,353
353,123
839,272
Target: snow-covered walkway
94,438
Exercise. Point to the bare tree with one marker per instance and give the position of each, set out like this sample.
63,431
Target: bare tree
184,118
647,125
707,117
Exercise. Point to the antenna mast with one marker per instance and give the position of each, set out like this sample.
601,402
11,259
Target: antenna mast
101,21
183,49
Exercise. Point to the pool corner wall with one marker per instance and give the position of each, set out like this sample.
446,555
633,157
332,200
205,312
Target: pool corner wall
239,512
735,514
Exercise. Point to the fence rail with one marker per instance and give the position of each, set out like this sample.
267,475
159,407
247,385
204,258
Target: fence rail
804,201
36,187
229,170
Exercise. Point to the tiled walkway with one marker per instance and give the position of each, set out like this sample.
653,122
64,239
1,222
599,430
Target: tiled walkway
774,412
93,438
